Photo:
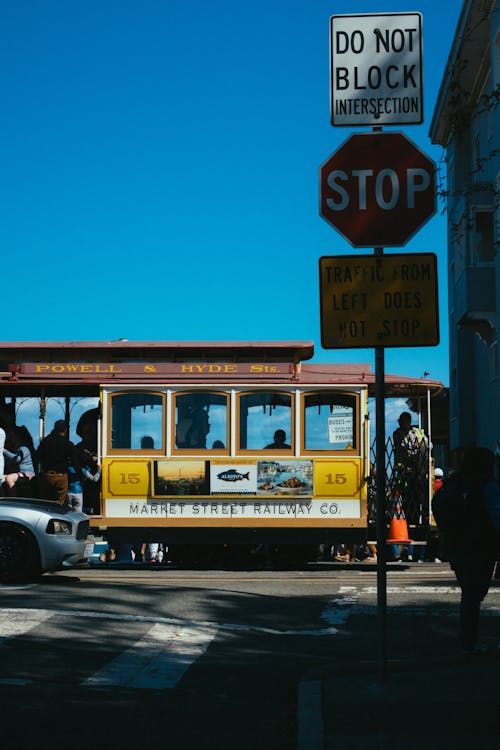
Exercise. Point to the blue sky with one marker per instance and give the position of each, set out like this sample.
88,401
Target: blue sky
160,170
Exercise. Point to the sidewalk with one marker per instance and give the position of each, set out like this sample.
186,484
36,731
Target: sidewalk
433,697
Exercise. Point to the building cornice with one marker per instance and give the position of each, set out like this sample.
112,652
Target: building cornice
466,72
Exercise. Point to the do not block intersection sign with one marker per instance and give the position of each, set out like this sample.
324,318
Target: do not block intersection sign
376,69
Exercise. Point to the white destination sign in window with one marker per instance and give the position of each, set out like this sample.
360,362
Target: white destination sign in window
340,429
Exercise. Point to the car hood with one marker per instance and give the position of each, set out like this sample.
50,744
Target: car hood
31,502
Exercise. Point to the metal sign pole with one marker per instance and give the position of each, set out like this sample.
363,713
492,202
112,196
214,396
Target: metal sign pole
381,498
381,514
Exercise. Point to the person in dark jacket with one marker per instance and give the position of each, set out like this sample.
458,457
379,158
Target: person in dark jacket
470,540
55,454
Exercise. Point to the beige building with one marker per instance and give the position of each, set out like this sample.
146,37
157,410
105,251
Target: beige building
466,122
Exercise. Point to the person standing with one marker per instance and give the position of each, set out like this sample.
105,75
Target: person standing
438,479
55,454
2,460
409,481
75,488
18,454
463,509
410,454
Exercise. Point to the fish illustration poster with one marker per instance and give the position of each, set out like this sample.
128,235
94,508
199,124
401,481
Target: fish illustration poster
227,477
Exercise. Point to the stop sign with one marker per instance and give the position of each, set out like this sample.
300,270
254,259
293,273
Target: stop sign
378,189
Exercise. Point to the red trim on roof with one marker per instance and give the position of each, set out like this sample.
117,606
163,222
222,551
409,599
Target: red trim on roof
304,349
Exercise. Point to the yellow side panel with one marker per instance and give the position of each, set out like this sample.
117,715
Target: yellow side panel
338,478
124,477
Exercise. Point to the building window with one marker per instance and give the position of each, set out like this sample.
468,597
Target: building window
484,248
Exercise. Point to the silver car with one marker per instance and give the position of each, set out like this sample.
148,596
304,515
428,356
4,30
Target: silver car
37,536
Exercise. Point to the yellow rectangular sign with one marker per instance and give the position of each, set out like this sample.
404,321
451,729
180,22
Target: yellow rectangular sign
337,478
127,477
379,300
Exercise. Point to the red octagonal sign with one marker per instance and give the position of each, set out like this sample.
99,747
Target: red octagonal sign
378,189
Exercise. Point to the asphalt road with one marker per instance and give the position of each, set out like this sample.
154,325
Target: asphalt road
215,659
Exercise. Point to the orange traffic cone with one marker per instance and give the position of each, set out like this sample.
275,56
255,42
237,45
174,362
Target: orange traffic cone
398,528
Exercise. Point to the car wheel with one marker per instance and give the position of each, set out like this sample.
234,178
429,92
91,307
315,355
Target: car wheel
19,557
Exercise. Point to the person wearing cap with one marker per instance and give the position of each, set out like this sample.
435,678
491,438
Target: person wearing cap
55,454
433,545
438,478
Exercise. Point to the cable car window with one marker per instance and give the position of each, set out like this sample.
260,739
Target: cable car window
329,422
201,421
265,421
137,421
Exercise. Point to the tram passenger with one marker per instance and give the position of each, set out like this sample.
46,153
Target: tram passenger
279,441
193,427
2,463
55,453
19,454
410,448
199,429
87,455
148,552
410,474
75,485
91,469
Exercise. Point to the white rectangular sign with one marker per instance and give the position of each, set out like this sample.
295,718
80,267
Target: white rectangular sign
233,478
216,510
376,69
340,429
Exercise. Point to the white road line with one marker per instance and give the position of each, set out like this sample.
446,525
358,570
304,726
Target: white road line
16,622
338,611
410,590
234,627
157,661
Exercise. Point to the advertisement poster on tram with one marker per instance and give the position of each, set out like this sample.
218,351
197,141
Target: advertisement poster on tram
180,477
233,478
285,477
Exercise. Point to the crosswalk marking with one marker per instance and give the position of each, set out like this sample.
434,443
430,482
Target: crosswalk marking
16,622
157,661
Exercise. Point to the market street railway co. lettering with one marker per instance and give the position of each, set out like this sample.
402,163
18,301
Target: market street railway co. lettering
254,509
